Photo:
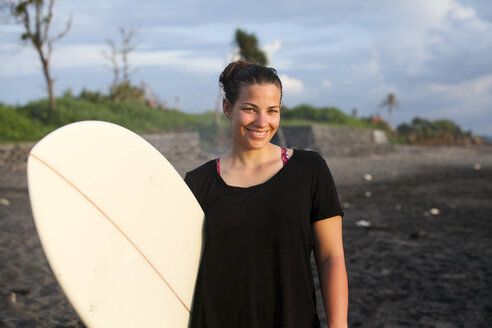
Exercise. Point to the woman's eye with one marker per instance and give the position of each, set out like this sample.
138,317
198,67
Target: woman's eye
249,109
273,111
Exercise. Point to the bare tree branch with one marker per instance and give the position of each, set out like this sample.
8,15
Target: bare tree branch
38,34
113,59
65,31
47,21
127,46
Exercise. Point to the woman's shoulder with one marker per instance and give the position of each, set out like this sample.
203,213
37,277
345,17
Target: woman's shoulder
307,156
200,180
202,170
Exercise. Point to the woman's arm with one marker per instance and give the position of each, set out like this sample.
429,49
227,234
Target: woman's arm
329,255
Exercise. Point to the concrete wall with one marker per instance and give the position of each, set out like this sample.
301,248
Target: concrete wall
174,146
334,141
327,140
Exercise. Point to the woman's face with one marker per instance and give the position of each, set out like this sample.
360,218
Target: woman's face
255,116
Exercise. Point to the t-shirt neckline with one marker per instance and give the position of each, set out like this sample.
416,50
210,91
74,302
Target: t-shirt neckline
273,177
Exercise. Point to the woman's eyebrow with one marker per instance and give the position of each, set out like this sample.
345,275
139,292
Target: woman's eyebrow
250,104
253,105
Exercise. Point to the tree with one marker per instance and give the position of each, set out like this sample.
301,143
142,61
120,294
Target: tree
121,87
248,47
391,103
112,57
127,46
36,19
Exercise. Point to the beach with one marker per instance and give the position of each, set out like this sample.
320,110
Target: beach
417,237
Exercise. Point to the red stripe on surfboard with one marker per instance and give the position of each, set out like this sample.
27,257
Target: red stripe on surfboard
114,224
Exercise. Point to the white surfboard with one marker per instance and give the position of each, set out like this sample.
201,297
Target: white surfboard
120,228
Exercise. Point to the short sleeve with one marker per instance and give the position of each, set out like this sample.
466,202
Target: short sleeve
187,179
200,181
190,180
324,194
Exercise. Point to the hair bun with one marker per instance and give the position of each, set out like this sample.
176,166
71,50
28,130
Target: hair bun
230,70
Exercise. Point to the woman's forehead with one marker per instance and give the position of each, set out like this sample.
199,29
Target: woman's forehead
261,91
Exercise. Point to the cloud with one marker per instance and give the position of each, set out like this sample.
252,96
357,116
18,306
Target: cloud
182,60
461,12
24,61
326,83
469,97
369,77
271,48
18,60
78,55
233,55
434,40
468,103
291,85
369,70
431,15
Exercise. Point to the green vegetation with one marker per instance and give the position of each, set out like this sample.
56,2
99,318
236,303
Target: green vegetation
309,115
15,126
35,119
438,132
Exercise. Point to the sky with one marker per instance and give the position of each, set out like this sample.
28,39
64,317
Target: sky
433,55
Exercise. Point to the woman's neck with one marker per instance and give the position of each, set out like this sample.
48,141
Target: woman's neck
241,157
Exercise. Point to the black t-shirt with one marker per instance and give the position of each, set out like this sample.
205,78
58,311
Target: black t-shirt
255,269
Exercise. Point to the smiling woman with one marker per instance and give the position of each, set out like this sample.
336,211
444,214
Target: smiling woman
267,208
255,116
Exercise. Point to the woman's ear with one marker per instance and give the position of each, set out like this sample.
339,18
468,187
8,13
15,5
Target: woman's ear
226,108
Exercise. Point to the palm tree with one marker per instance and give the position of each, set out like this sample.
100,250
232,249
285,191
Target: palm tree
391,103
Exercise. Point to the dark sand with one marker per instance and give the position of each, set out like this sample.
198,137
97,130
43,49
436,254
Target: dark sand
410,268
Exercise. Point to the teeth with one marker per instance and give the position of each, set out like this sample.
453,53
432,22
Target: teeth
259,134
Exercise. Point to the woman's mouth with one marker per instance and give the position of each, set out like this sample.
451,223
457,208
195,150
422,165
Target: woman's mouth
257,133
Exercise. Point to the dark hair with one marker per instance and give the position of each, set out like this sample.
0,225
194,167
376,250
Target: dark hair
242,72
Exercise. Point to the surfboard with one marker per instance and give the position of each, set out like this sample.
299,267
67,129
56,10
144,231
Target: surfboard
121,230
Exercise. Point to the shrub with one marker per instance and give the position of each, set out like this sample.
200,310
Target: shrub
422,131
16,127
328,115
34,120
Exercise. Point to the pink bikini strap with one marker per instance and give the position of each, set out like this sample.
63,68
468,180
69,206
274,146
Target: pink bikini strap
217,163
285,157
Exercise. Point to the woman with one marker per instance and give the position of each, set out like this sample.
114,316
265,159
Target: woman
266,209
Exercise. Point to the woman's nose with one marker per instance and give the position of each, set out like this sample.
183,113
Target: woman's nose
261,119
